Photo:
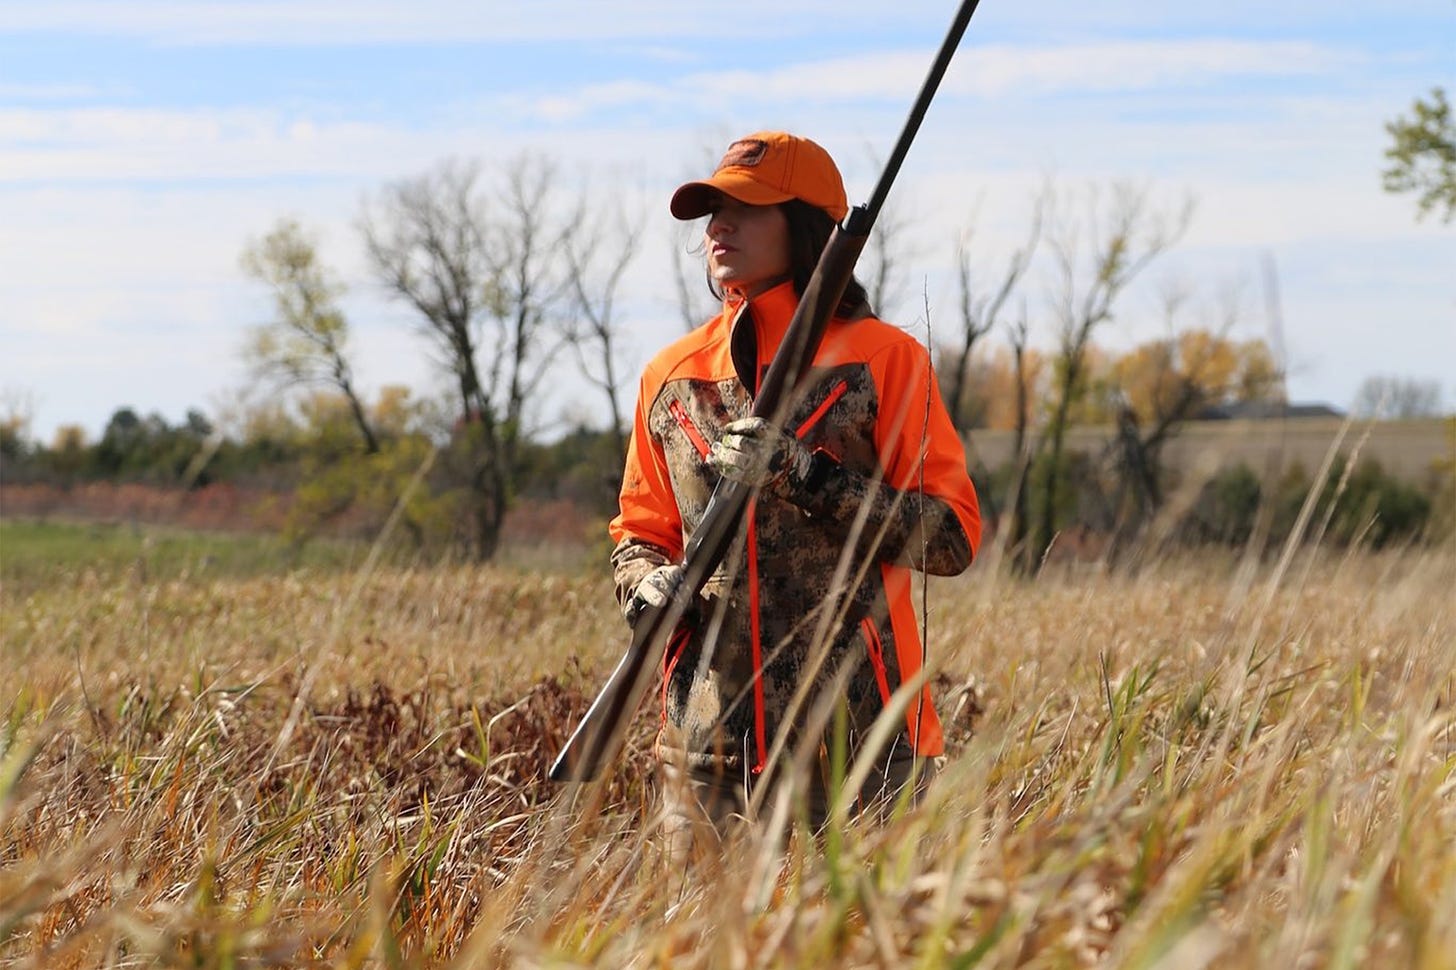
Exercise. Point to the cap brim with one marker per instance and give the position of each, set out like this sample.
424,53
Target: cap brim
696,199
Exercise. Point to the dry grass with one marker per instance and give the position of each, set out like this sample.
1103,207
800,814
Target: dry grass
1202,765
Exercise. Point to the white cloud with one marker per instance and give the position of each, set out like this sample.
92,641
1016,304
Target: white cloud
139,143
591,99
133,350
363,21
1130,66
982,72
332,22
57,92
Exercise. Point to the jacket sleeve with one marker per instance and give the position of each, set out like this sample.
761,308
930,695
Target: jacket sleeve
647,529
922,511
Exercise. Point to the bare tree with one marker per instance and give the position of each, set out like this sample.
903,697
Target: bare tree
1096,256
981,309
306,343
484,277
887,253
1395,398
1021,452
531,288
597,254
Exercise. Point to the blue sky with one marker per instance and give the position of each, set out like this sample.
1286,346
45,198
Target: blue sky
144,143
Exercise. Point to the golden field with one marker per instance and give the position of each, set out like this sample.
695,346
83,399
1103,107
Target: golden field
1209,762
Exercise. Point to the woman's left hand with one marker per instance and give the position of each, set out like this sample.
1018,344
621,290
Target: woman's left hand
752,451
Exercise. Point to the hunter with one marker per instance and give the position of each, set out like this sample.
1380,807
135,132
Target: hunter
868,462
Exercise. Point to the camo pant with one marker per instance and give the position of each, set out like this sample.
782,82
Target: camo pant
703,808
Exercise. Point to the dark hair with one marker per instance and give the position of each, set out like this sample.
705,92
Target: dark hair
809,230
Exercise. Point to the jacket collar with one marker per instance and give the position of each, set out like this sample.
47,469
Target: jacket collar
756,327
768,313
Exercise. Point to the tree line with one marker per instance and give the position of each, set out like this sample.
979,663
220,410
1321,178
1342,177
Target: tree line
505,277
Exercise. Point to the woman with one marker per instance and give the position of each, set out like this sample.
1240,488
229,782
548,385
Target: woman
867,462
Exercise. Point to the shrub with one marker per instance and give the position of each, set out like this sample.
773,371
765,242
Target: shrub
1374,506
1226,508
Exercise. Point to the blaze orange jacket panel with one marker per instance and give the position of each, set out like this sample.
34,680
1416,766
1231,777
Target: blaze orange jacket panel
896,492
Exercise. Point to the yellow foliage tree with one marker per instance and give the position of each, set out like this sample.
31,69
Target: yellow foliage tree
1173,379
397,412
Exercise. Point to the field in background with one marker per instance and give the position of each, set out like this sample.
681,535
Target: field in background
37,554
1208,763
1408,449
100,523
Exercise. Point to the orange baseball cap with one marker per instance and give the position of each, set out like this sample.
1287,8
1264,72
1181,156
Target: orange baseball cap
766,168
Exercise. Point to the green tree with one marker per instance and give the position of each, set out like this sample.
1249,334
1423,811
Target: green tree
597,255
148,449
305,345
345,492
1423,155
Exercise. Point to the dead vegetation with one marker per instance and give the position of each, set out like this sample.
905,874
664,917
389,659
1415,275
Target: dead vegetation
1210,764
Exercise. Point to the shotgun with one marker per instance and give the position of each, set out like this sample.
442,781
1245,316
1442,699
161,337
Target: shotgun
598,738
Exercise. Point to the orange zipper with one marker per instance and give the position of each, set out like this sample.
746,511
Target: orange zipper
680,414
877,658
835,393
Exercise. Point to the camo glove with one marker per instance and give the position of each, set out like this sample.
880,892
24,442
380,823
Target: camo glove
754,452
654,589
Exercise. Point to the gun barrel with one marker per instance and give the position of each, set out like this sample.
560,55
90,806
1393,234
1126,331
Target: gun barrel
599,736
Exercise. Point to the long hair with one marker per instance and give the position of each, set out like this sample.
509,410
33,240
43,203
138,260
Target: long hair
809,230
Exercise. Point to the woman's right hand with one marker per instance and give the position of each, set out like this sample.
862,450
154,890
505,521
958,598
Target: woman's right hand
655,590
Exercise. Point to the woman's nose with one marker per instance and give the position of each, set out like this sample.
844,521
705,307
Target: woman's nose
719,224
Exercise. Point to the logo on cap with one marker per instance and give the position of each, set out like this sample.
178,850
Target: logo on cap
745,152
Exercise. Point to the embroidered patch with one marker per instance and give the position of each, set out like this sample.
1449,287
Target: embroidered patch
746,152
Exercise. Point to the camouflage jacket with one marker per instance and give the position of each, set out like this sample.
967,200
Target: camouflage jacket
895,495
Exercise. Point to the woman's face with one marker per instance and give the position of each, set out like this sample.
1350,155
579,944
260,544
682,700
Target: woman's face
748,246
